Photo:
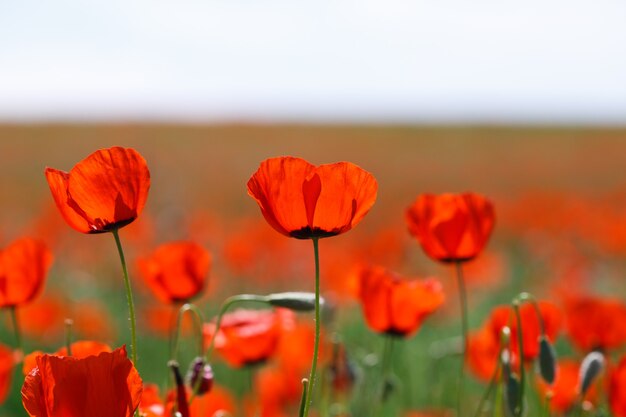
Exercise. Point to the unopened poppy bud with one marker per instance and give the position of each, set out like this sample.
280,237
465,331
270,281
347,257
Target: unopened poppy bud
589,369
181,394
512,393
297,301
547,360
199,369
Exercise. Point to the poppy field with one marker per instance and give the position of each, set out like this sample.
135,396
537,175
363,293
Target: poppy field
274,271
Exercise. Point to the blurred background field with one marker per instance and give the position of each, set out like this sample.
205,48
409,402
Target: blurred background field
524,103
559,195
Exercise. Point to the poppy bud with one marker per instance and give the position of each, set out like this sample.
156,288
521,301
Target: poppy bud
547,360
200,369
181,394
589,369
296,301
512,393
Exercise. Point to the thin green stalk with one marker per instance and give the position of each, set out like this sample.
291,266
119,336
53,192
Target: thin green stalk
225,306
525,296
16,329
68,336
309,393
520,342
380,398
197,319
305,384
129,299
492,384
465,330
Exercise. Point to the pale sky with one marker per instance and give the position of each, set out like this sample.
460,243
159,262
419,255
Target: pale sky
530,61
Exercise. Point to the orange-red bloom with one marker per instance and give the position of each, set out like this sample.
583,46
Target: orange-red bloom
24,265
565,391
484,343
504,316
80,349
176,271
103,192
106,385
596,323
247,337
395,306
305,201
7,362
451,227
617,389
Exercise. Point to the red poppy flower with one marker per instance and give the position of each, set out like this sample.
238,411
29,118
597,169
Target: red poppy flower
504,316
305,201
483,348
176,271
617,389
80,349
7,362
565,391
103,192
451,227
595,322
24,265
247,337
106,385
395,306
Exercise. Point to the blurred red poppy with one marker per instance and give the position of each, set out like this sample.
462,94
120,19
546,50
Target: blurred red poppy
504,316
595,322
105,191
176,271
617,389
80,349
565,391
248,337
211,404
7,362
451,227
24,265
395,306
482,353
305,201
106,385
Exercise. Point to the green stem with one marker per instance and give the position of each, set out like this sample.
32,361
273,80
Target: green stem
309,393
525,296
129,299
384,375
178,328
68,336
225,306
492,384
465,330
16,329
520,342
305,384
